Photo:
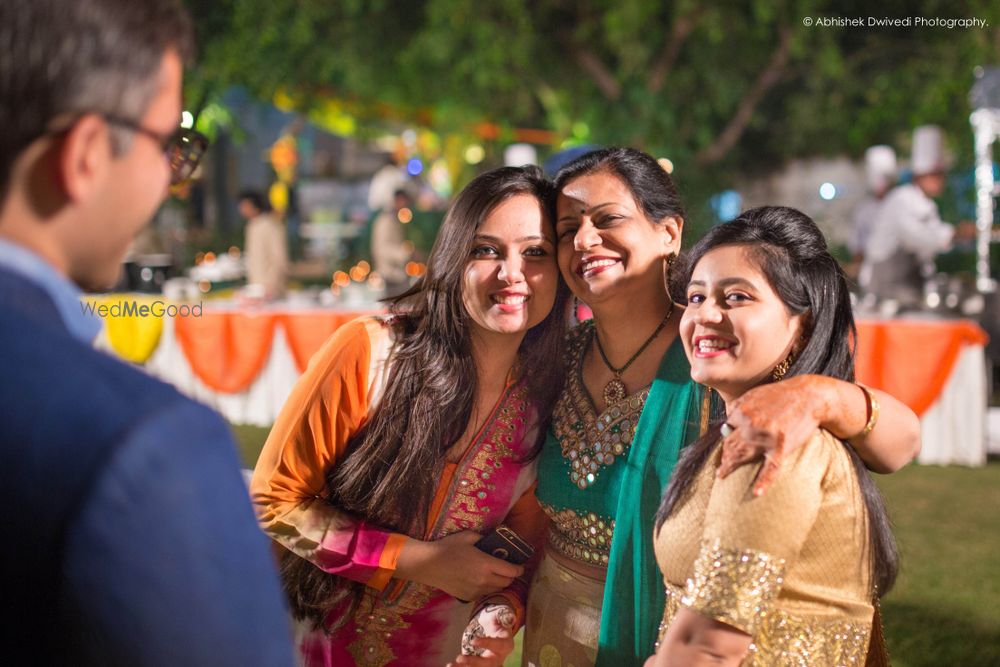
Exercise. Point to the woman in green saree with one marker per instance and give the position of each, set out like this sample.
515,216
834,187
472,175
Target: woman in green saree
628,407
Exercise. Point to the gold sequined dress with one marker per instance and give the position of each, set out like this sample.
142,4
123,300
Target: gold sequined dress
790,568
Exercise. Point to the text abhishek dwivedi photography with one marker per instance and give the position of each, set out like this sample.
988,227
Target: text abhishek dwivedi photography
500,333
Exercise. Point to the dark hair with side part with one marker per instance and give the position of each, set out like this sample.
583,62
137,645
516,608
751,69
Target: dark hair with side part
394,461
63,58
791,252
651,186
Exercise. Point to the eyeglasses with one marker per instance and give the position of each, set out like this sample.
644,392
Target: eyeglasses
183,147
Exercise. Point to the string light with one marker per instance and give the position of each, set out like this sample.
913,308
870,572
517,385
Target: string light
474,154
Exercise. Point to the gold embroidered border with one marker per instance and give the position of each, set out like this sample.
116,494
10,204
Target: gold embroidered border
378,619
787,640
734,586
582,537
376,622
469,504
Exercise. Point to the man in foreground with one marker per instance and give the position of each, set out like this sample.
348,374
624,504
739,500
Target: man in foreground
129,537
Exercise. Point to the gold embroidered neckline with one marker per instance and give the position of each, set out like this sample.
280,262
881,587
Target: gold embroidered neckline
592,441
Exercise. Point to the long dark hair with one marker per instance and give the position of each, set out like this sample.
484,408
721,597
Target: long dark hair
791,253
394,460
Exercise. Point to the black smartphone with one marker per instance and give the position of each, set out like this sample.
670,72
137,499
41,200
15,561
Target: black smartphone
505,544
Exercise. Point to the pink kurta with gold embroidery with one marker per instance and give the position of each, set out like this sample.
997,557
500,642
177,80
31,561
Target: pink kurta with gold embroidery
398,622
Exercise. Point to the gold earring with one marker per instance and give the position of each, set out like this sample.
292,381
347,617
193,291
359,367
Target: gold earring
670,259
669,265
782,368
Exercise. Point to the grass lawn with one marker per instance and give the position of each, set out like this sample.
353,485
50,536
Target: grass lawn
945,608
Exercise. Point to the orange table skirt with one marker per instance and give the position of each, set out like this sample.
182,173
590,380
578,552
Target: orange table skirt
228,348
912,359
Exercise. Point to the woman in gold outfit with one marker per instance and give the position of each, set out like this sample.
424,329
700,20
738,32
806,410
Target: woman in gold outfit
790,577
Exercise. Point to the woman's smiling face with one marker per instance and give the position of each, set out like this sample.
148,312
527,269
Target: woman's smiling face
606,244
736,328
511,277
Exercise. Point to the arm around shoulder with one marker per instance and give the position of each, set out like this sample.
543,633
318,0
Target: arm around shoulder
894,437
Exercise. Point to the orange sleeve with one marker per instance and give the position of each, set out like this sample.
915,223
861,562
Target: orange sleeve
327,406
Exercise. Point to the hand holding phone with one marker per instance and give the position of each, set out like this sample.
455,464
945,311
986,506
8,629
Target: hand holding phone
505,544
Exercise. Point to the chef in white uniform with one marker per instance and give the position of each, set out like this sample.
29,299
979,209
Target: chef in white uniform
908,231
880,176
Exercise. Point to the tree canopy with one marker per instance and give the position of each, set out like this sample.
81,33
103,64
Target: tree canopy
719,87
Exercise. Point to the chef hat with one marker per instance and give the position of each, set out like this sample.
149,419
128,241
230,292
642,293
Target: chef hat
928,150
518,155
880,167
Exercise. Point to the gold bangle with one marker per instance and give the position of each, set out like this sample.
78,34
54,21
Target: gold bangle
871,409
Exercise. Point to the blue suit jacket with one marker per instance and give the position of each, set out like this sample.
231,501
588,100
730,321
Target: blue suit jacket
128,535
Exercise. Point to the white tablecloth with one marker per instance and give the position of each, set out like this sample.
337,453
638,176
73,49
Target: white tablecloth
258,405
953,429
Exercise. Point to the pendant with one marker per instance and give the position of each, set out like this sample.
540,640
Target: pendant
614,392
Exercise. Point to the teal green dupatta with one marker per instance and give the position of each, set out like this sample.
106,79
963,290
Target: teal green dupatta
634,594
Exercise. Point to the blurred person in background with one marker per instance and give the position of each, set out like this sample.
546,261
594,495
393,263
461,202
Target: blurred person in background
908,231
389,179
265,247
390,252
130,539
880,176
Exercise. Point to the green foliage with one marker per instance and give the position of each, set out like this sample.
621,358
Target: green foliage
721,88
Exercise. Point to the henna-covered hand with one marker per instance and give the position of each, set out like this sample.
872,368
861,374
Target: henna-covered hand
772,420
489,637
769,422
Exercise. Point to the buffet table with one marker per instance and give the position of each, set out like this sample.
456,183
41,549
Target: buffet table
241,361
938,368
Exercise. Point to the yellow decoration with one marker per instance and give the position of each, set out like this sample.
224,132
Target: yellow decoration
278,196
133,337
332,116
284,101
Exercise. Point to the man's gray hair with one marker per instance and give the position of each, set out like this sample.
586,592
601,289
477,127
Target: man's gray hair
62,58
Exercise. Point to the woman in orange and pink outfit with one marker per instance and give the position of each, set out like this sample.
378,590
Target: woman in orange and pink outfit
411,435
